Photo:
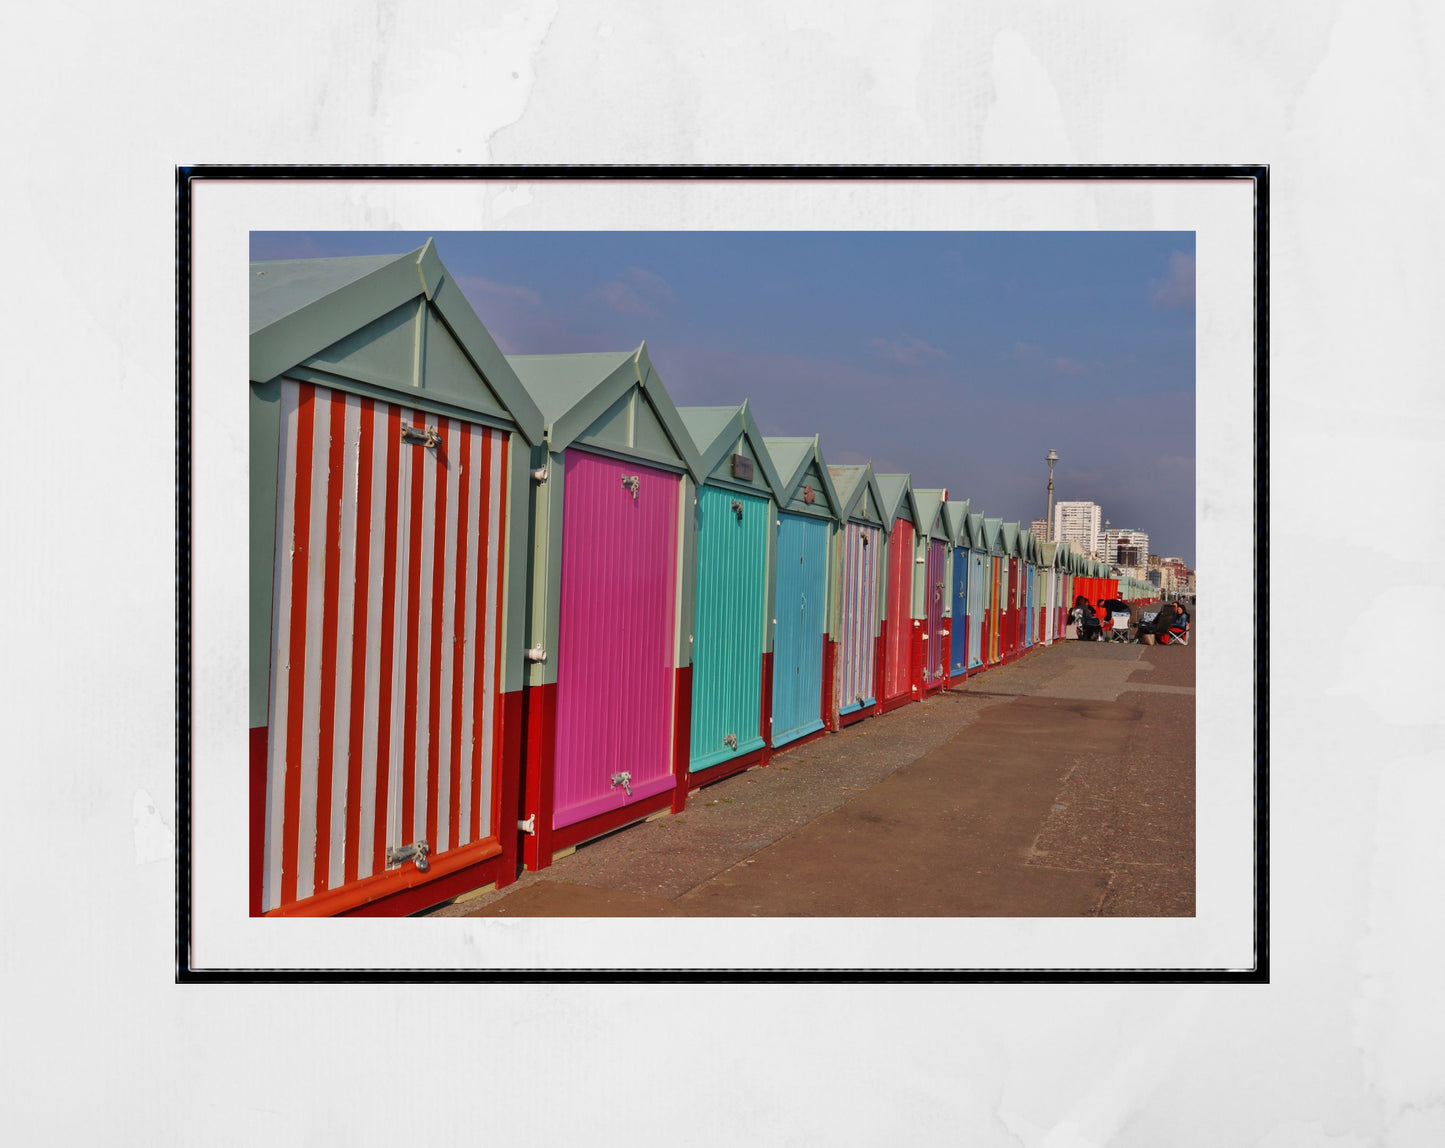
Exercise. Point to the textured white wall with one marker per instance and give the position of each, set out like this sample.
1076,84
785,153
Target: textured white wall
1342,98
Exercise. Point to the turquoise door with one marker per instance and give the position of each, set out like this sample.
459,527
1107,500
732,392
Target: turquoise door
729,627
801,608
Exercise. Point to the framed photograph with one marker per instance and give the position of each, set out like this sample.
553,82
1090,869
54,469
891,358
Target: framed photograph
461,585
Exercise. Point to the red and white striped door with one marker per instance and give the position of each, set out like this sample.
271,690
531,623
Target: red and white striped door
383,719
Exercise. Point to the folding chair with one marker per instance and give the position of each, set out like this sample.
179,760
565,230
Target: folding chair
1175,636
1119,631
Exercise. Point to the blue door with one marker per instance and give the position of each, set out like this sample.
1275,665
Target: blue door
802,610
961,627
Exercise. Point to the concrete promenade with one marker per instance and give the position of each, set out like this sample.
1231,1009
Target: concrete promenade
1059,785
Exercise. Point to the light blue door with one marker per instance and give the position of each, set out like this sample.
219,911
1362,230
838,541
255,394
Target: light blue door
801,608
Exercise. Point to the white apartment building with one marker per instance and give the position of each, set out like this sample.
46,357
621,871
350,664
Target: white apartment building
1079,523
1137,540
1039,528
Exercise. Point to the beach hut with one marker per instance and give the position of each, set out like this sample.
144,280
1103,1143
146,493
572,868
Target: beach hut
809,514
955,517
932,602
607,695
389,444
901,514
979,570
730,534
861,561
1011,609
996,602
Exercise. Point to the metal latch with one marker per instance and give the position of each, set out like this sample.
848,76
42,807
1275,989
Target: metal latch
537,654
529,825
423,436
731,741
540,474
416,851
738,509
632,482
623,779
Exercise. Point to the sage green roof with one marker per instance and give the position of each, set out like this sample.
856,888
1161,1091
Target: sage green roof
897,490
930,508
557,383
955,519
792,459
358,319
975,531
576,393
714,432
856,484
993,534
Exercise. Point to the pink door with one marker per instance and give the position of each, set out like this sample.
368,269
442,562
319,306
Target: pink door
615,654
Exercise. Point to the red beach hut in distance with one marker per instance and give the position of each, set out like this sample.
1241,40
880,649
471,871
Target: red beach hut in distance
901,512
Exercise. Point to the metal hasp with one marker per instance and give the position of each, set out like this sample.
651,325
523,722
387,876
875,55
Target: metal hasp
529,824
420,436
623,779
742,467
632,482
537,654
730,740
738,509
417,851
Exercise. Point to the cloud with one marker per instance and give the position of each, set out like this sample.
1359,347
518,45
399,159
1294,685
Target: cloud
1032,355
640,292
475,285
910,351
1175,292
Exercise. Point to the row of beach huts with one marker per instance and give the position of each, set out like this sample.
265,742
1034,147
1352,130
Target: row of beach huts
501,605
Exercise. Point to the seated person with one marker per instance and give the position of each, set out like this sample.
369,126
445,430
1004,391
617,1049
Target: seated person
1163,620
1089,627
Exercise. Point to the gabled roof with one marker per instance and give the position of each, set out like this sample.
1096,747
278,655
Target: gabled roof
578,393
973,529
715,432
793,459
930,504
993,534
897,490
955,517
1011,539
301,309
857,486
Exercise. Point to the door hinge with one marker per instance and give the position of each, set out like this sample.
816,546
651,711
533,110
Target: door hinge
537,654
529,825
623,779
417,851
539,475
420,436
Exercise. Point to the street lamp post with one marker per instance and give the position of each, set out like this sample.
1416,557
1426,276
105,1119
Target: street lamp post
1051,458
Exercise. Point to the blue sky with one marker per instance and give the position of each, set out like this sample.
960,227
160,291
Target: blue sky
961,357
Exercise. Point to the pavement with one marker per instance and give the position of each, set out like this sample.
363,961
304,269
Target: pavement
1061,785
